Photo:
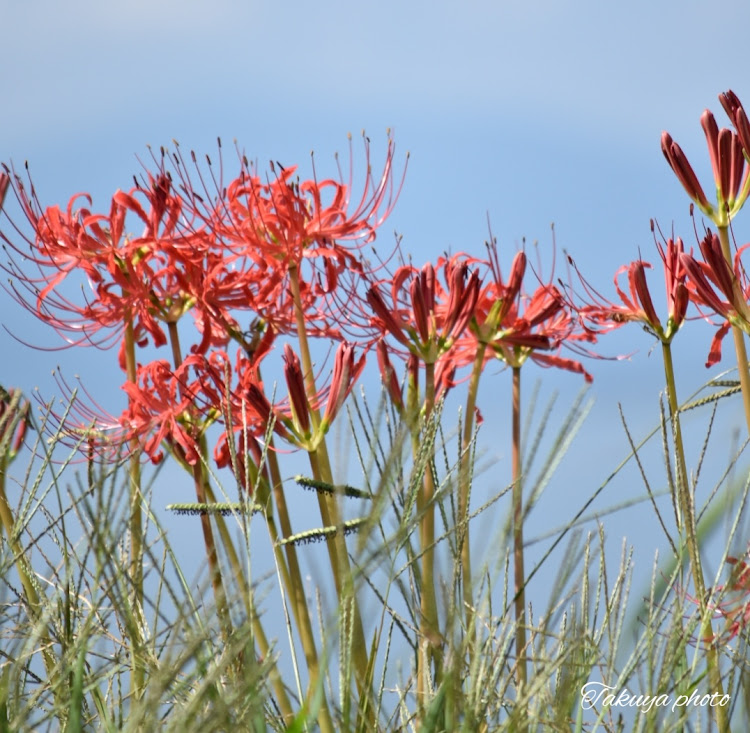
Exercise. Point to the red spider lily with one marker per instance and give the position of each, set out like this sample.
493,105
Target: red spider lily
78,240
312,228
731,177
345,373
430,318
637,304
714,284
282,224
516,326
63,243
168,407
148,280
289,220
246,407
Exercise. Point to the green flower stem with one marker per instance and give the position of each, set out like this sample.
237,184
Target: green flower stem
295,588
687,516
343,577
429,626
464,488
519,574
329,509
136,525
200,483
739,337
686,513
319,463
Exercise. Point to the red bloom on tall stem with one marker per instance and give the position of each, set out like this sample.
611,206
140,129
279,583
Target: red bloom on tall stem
170,407
241,397
719,286
282,224
426,315
636,305
731,177
517,326
147,281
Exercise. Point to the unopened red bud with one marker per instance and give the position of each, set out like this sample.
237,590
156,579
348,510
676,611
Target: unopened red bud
638,275
681,300
4,183
381,311
730,102
711,130
721,272
513,287
388,375
422,292
737,167
345,374
702,285
678,162
517,271
742,125
724,164
295,383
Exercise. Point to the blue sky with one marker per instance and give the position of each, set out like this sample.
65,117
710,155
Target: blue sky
531,113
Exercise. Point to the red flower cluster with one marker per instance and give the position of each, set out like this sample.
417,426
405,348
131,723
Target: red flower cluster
718,282
725,149
215,260
282,252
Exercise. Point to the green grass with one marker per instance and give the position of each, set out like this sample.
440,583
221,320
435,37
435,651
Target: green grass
67,663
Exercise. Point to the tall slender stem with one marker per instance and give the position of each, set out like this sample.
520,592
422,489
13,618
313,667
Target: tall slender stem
429,623
296,589
329,508
136,526
464,489
519,574
684,498
687,514
200,484
739,337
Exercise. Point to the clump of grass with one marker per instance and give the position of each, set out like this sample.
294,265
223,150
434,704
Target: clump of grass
68,654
